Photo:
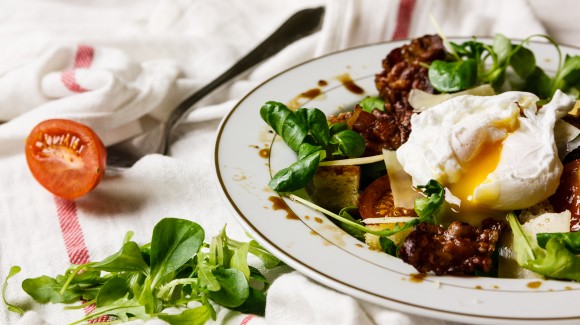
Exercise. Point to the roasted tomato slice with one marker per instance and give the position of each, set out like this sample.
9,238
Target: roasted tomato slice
567,196
66,157
376,201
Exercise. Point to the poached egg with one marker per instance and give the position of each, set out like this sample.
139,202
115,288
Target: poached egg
495,152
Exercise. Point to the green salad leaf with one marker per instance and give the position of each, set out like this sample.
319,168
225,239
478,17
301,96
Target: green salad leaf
355,232
176,268
474,63
13,308
129,258
553,261
453,76
388,246
570,239
523,62
195,316
297,175
285,123
369,104
428,207
307,132
348,143
174,242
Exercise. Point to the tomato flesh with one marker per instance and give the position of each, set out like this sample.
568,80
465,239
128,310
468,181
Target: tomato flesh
65,157
376,201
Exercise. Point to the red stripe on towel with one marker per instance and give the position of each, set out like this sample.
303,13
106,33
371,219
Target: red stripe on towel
74,241
89,309
84,57
69,80
72,233
404,17
246,319
83,60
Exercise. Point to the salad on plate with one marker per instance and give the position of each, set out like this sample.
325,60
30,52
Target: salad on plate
464,163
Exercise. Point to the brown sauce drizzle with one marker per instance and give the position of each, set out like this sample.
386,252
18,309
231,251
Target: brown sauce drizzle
322,83
478,287
264,153
534,284
311,94
317,219
296,102
417,277
349,84
279,204
239,178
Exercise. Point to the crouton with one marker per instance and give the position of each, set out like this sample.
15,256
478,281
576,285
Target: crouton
336,187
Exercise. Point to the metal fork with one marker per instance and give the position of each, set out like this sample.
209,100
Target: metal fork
156,140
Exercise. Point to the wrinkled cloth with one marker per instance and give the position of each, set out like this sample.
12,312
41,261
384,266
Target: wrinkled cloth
120,67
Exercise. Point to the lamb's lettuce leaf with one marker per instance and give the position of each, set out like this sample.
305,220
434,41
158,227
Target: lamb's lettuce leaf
553,261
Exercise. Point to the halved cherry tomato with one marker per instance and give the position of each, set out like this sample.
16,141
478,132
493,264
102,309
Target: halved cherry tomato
376,201
66,157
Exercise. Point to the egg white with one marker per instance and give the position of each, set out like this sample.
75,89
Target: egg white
496,152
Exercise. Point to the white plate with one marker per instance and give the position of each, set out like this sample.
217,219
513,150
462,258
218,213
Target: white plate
317,248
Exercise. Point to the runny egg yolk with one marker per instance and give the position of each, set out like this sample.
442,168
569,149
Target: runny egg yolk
477,170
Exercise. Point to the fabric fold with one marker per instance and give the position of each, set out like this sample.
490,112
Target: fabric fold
120,67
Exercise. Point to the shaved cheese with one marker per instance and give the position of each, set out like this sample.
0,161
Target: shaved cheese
567,138
352,161
421,100
404,194
548,223
373,221
576,110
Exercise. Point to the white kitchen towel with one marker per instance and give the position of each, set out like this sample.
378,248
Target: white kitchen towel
145,56
97,86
